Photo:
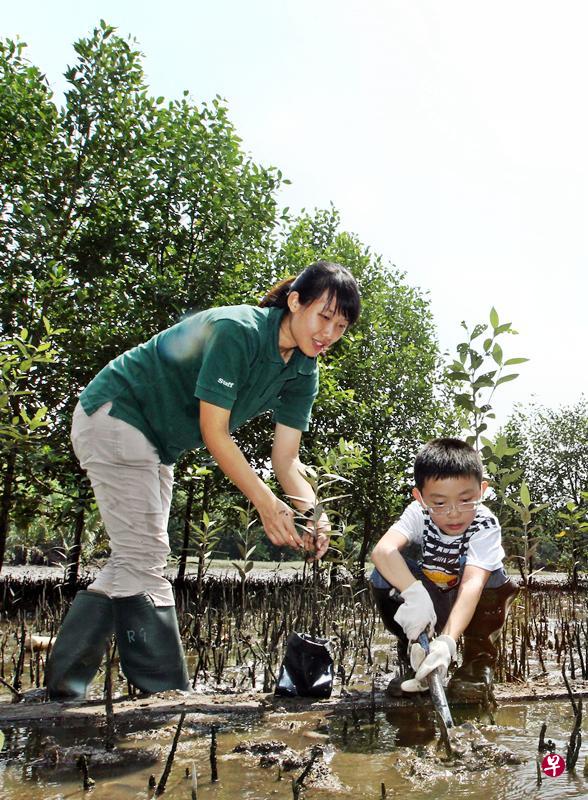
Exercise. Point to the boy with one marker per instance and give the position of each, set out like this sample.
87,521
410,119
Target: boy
458,587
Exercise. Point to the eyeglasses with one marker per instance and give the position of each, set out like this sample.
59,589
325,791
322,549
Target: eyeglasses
442,509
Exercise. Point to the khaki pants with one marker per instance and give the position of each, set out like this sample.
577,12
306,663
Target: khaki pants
133,490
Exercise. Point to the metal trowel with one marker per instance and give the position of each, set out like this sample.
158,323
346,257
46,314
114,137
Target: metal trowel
439,699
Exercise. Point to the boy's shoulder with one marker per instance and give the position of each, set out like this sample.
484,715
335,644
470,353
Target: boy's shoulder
414,509
485,519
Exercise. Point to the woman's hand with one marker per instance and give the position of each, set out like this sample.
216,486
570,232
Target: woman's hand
290,473
316,537
277,519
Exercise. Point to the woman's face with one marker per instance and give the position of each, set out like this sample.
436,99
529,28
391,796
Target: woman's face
313,327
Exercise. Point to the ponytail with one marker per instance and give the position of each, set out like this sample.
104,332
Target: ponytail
277,296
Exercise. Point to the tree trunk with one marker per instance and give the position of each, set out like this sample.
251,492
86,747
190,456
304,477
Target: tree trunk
73,561
6,501
187,521
206,493
365,545
368,516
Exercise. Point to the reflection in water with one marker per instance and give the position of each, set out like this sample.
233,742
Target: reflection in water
413,726
368,749
398,727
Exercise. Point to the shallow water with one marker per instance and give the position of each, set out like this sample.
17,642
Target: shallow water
363,753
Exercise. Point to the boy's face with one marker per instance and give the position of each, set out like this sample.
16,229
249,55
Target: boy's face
444,497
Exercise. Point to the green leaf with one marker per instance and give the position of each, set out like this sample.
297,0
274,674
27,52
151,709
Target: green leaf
510,477
525,495
511,361
497,353
464,401
456,375
494,317
478,331
476,359
506,379
482,381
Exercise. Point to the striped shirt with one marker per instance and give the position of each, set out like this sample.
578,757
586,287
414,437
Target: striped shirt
443,555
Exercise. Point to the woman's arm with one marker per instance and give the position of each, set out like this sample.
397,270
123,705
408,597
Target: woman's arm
468,596
289,471
276,517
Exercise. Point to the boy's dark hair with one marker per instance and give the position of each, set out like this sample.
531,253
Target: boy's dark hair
447,458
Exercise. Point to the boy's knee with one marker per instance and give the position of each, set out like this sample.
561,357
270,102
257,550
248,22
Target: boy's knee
377,581
496,579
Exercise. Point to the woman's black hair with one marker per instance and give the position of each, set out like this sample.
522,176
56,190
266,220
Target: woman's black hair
313,282
447,458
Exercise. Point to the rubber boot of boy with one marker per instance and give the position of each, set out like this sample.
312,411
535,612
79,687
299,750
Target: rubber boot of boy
472,682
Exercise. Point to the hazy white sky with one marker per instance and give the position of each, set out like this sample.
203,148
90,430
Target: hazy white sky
452,137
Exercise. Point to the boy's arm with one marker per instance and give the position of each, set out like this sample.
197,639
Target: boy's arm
417,613
388,561
472,583
442,649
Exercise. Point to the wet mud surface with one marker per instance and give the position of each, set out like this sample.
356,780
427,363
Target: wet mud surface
351,752
358,744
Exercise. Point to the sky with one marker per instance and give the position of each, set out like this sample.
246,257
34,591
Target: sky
451,136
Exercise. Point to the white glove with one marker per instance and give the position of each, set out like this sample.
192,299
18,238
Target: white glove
412,685
417,613
441,654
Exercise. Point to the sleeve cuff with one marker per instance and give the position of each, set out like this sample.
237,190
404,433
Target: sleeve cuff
397,529
214,398
298,423
477,563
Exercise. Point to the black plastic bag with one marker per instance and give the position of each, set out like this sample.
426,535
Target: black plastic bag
307,668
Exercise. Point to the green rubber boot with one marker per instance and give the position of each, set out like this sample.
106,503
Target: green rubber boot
473,681
405,672
149,645
79,646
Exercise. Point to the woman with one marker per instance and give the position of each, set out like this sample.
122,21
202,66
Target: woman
191,386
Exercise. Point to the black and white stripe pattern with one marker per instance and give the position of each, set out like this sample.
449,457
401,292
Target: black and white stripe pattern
442,553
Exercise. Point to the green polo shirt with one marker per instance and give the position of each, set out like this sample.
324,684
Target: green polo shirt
225,356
